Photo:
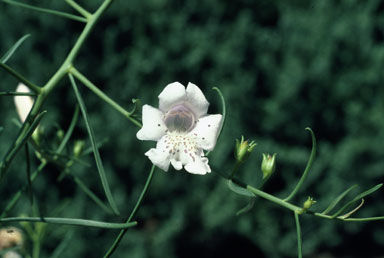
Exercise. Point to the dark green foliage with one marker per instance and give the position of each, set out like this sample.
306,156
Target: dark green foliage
281,65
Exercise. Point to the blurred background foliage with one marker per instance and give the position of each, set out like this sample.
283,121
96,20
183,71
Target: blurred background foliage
282,66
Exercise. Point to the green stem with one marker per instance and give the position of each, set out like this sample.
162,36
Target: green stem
133,213
103,96
36,247
272,198
299,240
78,8
44,10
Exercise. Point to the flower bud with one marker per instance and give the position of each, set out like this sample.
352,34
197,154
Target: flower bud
24,105
268,165
243,149
78,148
308,203
60,134
10,237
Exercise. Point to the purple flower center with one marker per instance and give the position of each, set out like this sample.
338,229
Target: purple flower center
180,118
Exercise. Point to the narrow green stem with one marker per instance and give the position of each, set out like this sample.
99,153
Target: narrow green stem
272,198
235,169
78,8
133,213
36,247
102,95
44,10
299,240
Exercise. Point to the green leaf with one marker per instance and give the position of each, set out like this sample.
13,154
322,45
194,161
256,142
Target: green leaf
18,194
18,144
64,244
307,168
96,153
91,195
238,189
69,132
20,78
338,199
71,222
247,208
224,113
357,198
12,93
133,213
44,10
12,50
28,170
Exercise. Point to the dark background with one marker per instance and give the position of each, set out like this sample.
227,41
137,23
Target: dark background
281,65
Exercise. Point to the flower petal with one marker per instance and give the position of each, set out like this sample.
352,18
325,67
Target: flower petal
23,103
207,131
161,156
196,100
153,125
173,94
176,164
199,166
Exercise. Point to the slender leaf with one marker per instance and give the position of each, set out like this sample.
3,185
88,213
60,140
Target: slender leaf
247,208
133,213
99,163
12,50
239,190
84,80
59,250
90,194
307,168
20,78
11,93
71,222
18,144
18,194
28,170
357,198
69,132
45,10
223,111
338,199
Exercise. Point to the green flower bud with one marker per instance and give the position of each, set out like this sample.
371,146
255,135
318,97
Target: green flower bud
268,165
243,149
78,148
60,134
308,203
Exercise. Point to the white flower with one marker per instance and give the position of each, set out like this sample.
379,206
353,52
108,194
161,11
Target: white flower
181,128
23,103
